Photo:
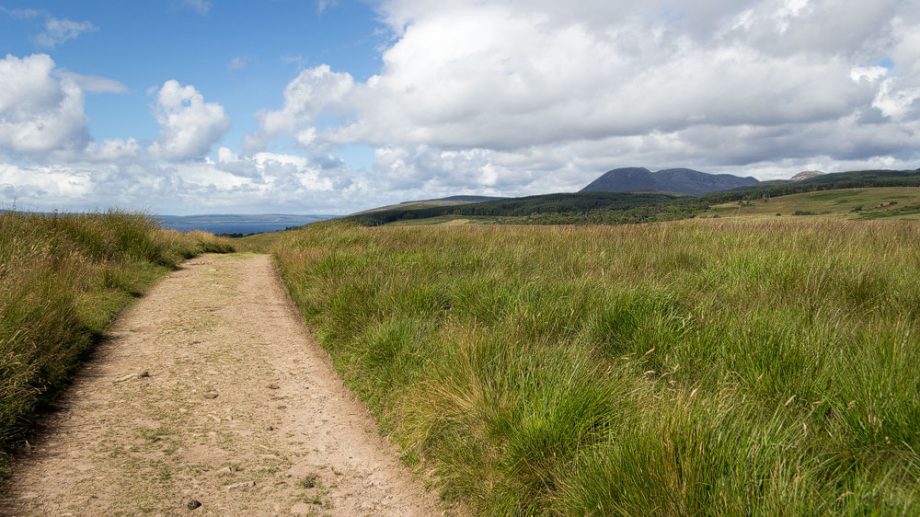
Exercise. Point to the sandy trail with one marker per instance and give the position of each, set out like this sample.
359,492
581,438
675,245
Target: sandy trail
239,410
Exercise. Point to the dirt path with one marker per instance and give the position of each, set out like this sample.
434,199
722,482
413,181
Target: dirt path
211,390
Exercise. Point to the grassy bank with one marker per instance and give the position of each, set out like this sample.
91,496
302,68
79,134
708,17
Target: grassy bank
699,367
62,281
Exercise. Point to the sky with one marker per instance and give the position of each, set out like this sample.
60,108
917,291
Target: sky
333,106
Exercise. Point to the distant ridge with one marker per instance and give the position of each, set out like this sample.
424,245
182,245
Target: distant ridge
457,199
807,175
682,181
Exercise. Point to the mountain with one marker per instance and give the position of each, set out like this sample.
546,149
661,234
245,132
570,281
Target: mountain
807,175
683,181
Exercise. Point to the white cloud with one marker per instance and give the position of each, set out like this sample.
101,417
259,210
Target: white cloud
39,111
55,182
58,31
189,126
313,92
112,150
322,5
265,182
548,95
94,83
520,97
237,64
202,7
54,30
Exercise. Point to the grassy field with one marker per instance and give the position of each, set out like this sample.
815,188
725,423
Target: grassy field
717,367
63,278
866,203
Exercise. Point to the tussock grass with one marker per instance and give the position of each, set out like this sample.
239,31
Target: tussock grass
63,278
699,367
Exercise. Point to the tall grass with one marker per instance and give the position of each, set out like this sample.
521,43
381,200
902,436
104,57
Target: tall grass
62,280
700,367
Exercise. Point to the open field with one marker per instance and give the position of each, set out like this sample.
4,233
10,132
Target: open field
63,278
860,203
720,367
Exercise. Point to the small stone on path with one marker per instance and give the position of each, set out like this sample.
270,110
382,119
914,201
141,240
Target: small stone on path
241,486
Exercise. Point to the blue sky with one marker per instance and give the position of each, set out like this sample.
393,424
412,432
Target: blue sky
217,106
142,44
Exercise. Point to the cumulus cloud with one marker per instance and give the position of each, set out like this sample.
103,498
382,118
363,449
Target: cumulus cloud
112,150
313,92
189,126
547,95
40,111
117,174
521,97
32,183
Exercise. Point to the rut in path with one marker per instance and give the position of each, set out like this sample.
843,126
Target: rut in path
211,390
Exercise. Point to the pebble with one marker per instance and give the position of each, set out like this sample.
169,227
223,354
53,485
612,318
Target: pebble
241,486
194,504
210,395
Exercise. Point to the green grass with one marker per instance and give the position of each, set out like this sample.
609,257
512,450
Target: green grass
63,278
863,203
704,367
258,242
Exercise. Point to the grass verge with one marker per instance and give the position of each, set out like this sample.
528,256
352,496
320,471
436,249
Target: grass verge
63,279
701,367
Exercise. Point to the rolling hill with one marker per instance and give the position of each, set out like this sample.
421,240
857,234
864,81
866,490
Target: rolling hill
522,207
432,203
807,175
682,181
851,203
627,207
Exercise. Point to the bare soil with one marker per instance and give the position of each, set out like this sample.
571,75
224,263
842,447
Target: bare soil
211,390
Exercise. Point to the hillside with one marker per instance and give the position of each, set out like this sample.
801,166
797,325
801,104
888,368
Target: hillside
860,203
683,181
432,203
833,181
523,207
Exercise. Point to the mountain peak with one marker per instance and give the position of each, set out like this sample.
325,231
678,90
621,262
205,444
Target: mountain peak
807,175
684,181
